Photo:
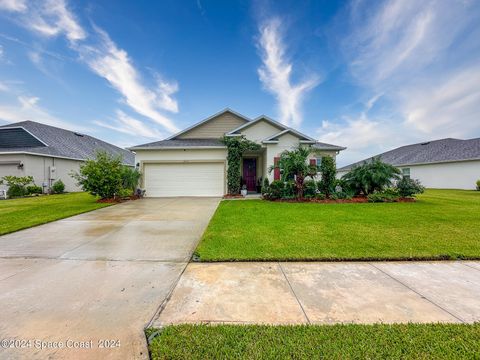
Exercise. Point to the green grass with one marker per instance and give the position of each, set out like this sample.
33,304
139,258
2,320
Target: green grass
400,341
17,214
442,224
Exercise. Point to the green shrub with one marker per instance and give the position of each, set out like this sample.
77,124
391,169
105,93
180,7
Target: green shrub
16,190
478,184
370,177
328,171
344,195
124,193
101,176
16,185
388,195
34,189
409,187
58,187
265,187
309,188
289,190
276,190
320,196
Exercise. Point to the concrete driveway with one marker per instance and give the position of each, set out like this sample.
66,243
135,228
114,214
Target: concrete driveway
95,279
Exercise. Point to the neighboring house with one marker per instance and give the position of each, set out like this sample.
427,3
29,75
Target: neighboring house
193,162
49,153
442,164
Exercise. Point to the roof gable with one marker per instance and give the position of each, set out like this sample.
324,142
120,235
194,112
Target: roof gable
18,137
213,127
303,138
283,128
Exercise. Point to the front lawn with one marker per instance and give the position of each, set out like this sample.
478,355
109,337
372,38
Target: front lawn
17,214
380,341
442,224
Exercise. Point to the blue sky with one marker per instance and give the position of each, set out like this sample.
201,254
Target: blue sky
369,75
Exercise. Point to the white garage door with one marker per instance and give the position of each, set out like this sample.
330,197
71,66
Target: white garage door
184,179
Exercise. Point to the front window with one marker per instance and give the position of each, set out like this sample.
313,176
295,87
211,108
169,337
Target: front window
406,173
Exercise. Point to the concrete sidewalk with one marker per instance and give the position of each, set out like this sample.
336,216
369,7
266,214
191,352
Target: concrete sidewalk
325,293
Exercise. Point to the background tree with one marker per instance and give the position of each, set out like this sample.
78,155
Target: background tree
101,176
236,146
329,172
293,165
371,176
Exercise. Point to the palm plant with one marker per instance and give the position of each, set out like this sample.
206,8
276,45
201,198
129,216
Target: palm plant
371,176
130,178
293,165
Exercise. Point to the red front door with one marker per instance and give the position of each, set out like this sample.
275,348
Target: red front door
250,173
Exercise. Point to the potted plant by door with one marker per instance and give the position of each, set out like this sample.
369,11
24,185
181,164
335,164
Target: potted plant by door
244,190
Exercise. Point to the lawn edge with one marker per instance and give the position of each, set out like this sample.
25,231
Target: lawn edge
347,259
59,218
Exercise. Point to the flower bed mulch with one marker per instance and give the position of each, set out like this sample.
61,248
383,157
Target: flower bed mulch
118,200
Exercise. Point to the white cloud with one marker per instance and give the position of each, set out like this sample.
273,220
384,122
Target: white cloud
114,64
28,108
13,5
53,18
130,126
50,18
448,107
276,72
422,57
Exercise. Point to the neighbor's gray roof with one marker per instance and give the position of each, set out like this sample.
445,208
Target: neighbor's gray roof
65,143
444,150
180,143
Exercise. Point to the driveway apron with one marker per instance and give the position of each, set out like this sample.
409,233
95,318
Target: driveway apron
86,286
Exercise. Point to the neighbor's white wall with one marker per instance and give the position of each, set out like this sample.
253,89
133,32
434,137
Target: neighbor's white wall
454,175
12,170
180,155
38,167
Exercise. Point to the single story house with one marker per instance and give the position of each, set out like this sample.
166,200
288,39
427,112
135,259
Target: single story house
193,162
442,164
49,153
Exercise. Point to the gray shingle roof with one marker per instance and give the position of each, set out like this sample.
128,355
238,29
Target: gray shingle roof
324,146
65,143
435,151
180,143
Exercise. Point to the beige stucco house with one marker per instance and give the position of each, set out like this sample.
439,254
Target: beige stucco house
193,162
49,153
